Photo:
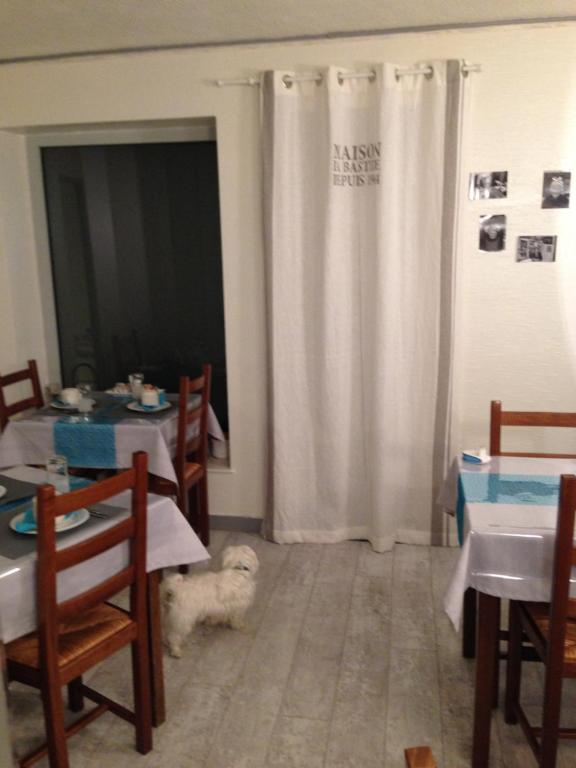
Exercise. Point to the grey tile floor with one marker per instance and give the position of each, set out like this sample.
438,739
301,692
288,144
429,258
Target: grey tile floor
347,659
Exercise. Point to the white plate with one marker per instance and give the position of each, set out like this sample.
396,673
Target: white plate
114,393
135,406
67,406
79,517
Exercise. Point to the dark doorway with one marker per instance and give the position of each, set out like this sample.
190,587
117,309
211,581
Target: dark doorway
137,263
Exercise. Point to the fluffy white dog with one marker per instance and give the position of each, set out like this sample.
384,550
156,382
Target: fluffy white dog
221,597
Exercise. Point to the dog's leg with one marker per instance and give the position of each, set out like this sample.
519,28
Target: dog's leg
236,621
174,643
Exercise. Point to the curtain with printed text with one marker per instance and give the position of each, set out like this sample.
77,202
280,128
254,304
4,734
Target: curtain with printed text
360,184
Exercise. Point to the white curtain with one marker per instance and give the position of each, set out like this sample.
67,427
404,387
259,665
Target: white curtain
360,185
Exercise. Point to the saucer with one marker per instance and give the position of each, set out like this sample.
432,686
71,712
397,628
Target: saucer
139,408
63,406
115,393
68,406
76,518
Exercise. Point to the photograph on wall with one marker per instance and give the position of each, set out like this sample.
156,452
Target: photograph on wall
532,248
492,233
556,189
489,185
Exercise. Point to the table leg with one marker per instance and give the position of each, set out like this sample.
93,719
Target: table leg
469,624
156,660
486,660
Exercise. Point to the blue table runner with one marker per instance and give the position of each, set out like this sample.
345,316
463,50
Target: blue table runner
496,488
86,444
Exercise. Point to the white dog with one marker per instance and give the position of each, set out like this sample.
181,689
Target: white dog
221,597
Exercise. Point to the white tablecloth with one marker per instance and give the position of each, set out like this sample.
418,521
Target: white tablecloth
508,548
171,541
30,440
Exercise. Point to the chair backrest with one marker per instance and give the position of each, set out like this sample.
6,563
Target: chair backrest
564,560
35,401
193,419
500,418
51,561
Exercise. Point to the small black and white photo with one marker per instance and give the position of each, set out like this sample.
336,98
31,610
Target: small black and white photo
556,189
492,233
536,248
488,185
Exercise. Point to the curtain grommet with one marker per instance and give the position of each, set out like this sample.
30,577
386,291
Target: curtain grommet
339,78
287,82
429,75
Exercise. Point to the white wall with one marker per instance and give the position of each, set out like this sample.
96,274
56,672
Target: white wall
517,326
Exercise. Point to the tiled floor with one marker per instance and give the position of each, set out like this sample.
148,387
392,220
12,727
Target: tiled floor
348,659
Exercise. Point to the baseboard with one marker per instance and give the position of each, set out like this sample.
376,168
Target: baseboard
231,523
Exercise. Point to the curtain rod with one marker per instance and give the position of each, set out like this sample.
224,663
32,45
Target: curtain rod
427,71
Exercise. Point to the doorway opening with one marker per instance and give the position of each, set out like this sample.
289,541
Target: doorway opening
137,263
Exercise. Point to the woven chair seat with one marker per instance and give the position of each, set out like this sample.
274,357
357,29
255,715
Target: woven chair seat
192,470
76,636
540,616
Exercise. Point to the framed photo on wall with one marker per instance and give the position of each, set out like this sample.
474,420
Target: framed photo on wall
536,248
556,189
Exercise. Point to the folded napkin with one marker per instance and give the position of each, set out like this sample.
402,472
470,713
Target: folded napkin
26,523
476,457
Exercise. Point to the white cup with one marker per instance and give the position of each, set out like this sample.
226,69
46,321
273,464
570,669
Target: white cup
150,397
70,396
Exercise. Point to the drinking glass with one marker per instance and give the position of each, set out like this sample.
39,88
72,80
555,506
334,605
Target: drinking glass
57,473
85,388
136,384
85,408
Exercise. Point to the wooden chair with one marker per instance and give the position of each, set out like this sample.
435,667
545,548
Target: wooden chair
191,462
79,633
420,757
35,401
499,419
551,627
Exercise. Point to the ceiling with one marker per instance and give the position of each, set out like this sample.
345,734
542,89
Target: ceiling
40,28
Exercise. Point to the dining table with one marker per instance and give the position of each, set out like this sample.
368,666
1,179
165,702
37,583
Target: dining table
506,511
170,542
105,438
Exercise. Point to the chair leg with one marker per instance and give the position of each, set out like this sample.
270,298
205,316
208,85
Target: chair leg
551,716
469,624
513,666
184,507
54,724
203,517
156,654
142,692
75,697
